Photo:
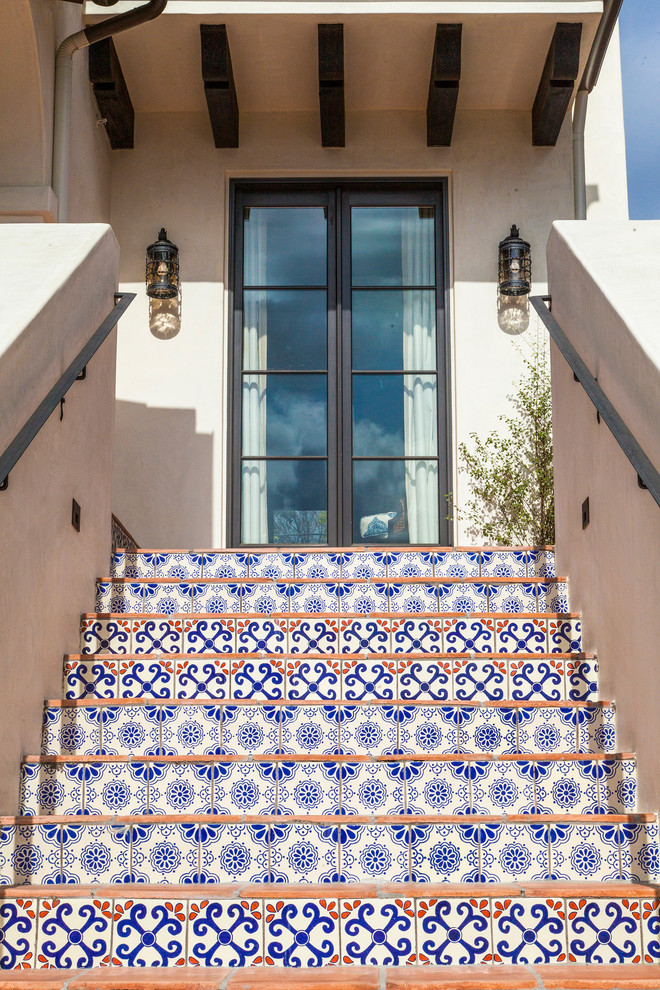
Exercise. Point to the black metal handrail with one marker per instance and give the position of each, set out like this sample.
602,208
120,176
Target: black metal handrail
74,372
647,474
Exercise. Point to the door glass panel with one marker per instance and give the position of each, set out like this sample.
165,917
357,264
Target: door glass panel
394,415
393,330
295,507
285,245
285,329
394,499
292,411
393,245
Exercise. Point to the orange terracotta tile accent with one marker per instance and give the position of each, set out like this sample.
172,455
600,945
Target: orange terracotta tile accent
637,976
482,977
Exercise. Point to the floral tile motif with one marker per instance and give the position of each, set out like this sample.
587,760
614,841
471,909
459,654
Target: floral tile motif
96,853
251,729
480,680
585,852
525,635
210,634
70,731
541,563
567,787
224,565
438,788
504,563
424,680
487,730
181,788
596,729
90,679
360,634
456,563
617,787
313,635
513,853
444,853
302,852
260,679
418,635
272,565
245,788
233,853
8,871
313,678
317,596
602,931
413,597
462,597
164,853
375,853
364,565
650,925
51,789
378,934
105,635
217,597
136,565
515,597
640,855
166,599
18,923
369,677
301,933
529,931
309,788
552,596
73,934
533,679
149,933
225,933
547,730
184,566
157,635
453,932
130,729
428,730
310,731
146,678
369,729
564,635
469,635
363,597
372,788
114,788
322,566
503,788
118,563
119,596
206,677
265,598
414,563
582,679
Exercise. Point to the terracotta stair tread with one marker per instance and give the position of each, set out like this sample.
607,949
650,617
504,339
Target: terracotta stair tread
70,657
370,702
417,579
330,758
329,615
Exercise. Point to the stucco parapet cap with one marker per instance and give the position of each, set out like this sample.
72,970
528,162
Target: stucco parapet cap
565,8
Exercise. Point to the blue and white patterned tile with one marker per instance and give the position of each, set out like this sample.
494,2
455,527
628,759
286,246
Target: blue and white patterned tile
547,730
181,788
313,597
650,926
184,566
596,729
216,597
188,730
225,565
444,853
29,801
322,566
301,933
318,634
418,635
487,730
150,677
456,563
206,677
529,931
313,731
105,635
73,934
118,563
266,597
417,597
148,933
116,788
245,788
8,841
541,679
70,731
561,789
363,597
435,788
251,729
303,852
459,597
552,596
363,564
480,680
210,634
372,788
130,729
369,729
164,853
272,565
513,853
425,680
95,678
524,635
47,789
259,679
564,635
503,563
313,679
618,787
640,855
541,564
378,933
369,677
585,852
96,853
582,679
378,853
166,598
515,597
453,931
225,933
503,788
432,729
602,931
414,563
308,788
364,634
119,596
18,923
474,634
256,634
138,565
157,635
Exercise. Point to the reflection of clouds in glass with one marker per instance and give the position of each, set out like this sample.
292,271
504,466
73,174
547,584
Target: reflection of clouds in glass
296,426
370,439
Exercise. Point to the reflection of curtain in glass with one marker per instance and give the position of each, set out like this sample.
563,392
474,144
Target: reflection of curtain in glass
419,393
254,501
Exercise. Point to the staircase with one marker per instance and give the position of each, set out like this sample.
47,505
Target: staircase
335,759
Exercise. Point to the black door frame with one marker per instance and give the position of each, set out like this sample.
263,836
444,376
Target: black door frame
340,195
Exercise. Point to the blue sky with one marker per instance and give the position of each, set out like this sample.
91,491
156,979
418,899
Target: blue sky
640,60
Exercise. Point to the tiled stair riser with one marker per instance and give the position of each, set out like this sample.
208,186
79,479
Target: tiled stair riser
323,787
286,850
196,728
255,932
481,677
218,596
335,565
320,633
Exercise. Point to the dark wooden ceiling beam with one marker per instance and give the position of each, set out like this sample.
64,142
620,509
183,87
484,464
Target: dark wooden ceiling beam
555,90
443,86
331,85
111,93
219,87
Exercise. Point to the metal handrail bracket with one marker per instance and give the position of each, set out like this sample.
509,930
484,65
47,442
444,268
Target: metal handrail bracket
642,464
73,373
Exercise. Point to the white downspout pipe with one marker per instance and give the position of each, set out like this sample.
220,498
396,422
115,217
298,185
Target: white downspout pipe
589,79
64,88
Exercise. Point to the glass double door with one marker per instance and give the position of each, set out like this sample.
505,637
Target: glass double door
340,385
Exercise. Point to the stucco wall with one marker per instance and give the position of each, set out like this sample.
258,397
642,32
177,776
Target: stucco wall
60,285
603,279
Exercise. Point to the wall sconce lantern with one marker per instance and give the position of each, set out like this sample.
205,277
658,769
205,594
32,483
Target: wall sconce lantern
162,268
515,265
